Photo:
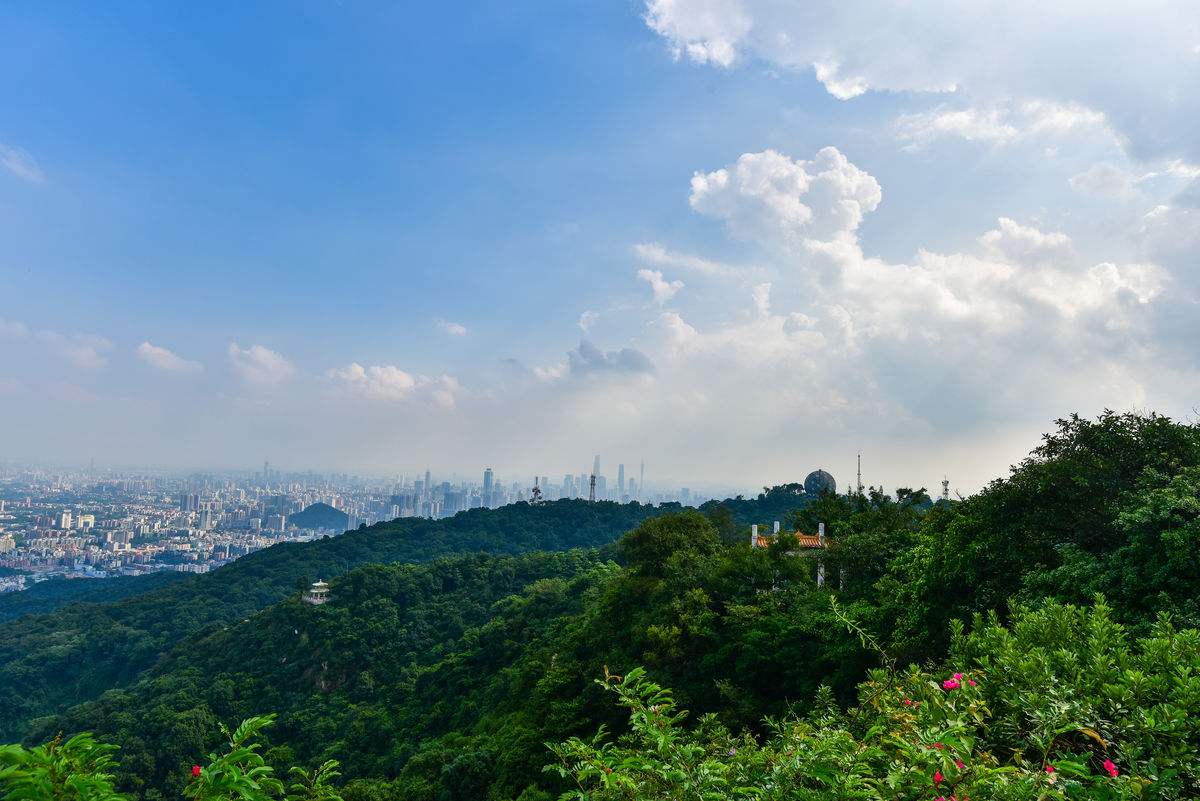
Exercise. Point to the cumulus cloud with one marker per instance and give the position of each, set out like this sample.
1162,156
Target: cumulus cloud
1103,180
259,365
662,289
452,328
772,199
1007,332
1145,87
390,383
163,359
20,163
588,360
586,320
81,350
1014,243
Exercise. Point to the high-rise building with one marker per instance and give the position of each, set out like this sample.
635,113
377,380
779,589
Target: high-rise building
64,520
621,483
488,486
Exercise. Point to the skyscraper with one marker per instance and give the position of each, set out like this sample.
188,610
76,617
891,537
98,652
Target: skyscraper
488,481
621,483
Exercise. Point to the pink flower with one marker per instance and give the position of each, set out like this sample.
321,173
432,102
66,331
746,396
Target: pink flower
1049,768
938,746
1111,767
958,763
971,682
958,676
937,777
950,684
195,770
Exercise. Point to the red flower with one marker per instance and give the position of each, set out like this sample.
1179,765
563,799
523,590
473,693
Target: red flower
958,763
908,702
1049,768
195,770
938,746
951,684
937,777
1111,767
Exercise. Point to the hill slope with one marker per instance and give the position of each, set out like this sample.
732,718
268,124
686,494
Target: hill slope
320,515
52,661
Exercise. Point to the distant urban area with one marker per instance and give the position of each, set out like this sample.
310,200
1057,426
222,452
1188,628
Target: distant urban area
85,523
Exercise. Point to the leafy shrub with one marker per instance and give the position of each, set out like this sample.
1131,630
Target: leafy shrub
1058,706
79,770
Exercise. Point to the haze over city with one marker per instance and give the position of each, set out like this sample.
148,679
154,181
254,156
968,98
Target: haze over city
735,242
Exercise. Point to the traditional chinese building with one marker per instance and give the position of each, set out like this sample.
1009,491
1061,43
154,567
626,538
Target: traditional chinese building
808,544
318,593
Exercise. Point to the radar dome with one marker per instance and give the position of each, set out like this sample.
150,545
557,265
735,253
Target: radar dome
819,481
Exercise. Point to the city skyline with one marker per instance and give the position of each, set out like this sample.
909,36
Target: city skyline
743,239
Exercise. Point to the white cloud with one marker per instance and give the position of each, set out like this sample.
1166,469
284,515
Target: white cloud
165,360
390,383
663,290
772,199
20,163
81,350
1103,180
1028,53
656,254
1001,124
587,319
1014,243
452,328
706,31
259,365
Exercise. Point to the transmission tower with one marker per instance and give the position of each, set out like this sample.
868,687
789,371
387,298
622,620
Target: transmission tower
945,489
592,488
859,484
535,496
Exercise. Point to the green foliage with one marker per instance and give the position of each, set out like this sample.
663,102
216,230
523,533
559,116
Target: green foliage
443,681
75,654
239,774
1058,706
78,769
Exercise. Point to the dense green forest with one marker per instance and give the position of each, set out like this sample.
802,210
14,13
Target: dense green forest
447,680
79,651
46,596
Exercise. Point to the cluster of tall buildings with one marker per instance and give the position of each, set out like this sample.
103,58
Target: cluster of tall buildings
81,523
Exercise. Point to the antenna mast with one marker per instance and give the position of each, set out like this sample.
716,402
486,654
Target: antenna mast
592,489
535,497
860,474
945,489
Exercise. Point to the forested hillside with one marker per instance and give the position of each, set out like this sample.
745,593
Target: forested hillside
46,596
447,680
52,661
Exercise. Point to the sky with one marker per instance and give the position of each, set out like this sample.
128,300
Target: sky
738,239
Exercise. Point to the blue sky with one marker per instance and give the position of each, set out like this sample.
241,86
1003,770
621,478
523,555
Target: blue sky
210,215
